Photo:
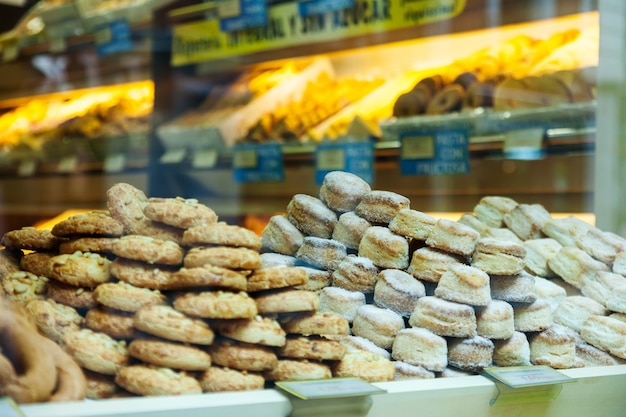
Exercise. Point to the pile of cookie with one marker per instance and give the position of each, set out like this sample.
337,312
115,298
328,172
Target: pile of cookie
505,285
155,296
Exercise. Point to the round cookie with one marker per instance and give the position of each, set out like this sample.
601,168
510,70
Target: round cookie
95,351
514,351
412,224
100,386
357,344
101,245
217,305
341,301
53,319
317,279
311,347
377,324
364,365
471,354
350,229
464,284
115,323
166,322
125,204
518,288
321,253
495,320
80,269
22,287
126,297
206,276
311,216
276,277
315,323
453,237
342,191
355,273
406,371
420,347
296,370
148,250
37,263
169,354
281,236
554,347
141,274
380,207
286,301
69,295
242,356
444,318
534,317
398,291
93,223
30,238
258,330
429,264
220,379
221,234
385,248
148,380
179,212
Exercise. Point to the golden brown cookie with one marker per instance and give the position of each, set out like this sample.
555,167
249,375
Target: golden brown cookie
312,347
100,386
153,381
286,301
223,256
276,277
220,379
258,330
30,238
102,245
81,269
221,234
206,276
453,237
37,263
179,212
126,204
169,354
91,223
141,274
297,369
53,319
311,216
10,261
115,323
242,356
149,250
365,365
380,207
126,297
281,236
95,351
69,295
317,323
168,323
21,286
216,305
412,224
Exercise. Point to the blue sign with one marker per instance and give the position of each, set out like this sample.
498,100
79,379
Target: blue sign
114,37
354,157
439,152
315,7
253,14
258,163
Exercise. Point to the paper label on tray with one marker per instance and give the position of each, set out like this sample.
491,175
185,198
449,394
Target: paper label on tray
354,157
524,376
524,143
204,158
258,163
436,152
329,388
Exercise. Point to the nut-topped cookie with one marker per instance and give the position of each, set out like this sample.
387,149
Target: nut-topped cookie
179,212
91,223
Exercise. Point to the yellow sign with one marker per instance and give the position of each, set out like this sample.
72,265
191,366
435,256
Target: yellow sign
201,41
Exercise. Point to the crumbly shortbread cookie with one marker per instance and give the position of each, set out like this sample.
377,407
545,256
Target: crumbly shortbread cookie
380,207
573,265
95,351
311,216
606,333
385,248
573,311
350,229
555,347
343,191
469,219
148,250
367,366
412,224
81,269
69,295
168,323
471,354
533,317
453,237
316,348
30,238
495,320
491,209
297,369
398,291
206,276
141,274
566,230
126,204
243,356
355,273
156,230
502,233
428,264
91,223
420,347
276,277
101,245
179,212
465,284
286,301
221,234
169,354
619,263
315,323
514,351
258,330
538,253
22,287
317,279
281,236
380,325
444,318
592,356
126,297
341,301
527,220
149,380
220,379
406,371
115,323
321,253
603,246
53,319
269,259
37,263
100,386
498,257
216,304
550,291
519,288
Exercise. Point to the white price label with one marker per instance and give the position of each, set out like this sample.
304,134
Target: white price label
245,158
115,162
27,168
174,156
329,388
331,159
524,376
418,147
68,164
205,158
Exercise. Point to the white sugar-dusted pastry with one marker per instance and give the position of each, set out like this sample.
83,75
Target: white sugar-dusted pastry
527,220
341,301
534,317
491,209
573,311
398,291
453,237
471,354
555,347
444,318
538,253
464,284
606,333
573,265
495,320
499,257
519,288
412,224
385,248
421,347
428,264
565,230
378,325
514,351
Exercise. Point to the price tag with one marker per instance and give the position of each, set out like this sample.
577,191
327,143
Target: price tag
524,144
27,168
253,13
8,408
174,156
258,163
437,152
354,157
329,388
115,162
67,165
314,7
114,37
204,158
228,8
57,44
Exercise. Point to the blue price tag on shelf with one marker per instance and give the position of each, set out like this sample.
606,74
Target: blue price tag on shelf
113,38
438,152
258,163
354,157
315,7
253,13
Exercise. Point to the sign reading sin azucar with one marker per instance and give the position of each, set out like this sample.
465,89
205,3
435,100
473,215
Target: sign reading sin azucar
203,40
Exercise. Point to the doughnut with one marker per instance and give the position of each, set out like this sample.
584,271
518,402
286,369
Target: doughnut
464,284
519,288
242,356
574,266
472,354
379,325
479,94
514,351
179,212
221,234
579,88
411,103
398,291
432,84
219,379
69,295
80,269
420,347
474,222
276,277
547,290
321,253
95,351
355,273
385,248
342,191
149,250
606,333
115,323
380,207
601,245
30,238
412,224
444,318
93,223
216,304
53,319
554,347
149,380
466,79
101,245
499,257
534,317
281,236
317,279
297,370
573,311
168,354
311,216
141,274
37,263
317,348
429,264
565,230
495,320
350,229
126,297
315,323
367,366
538,253
205,276
341,301
286,300
22,287
453,237
166,322
527,220
222,256
448,100
406,371
258,330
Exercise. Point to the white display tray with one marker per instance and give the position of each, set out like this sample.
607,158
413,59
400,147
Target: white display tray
596,391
